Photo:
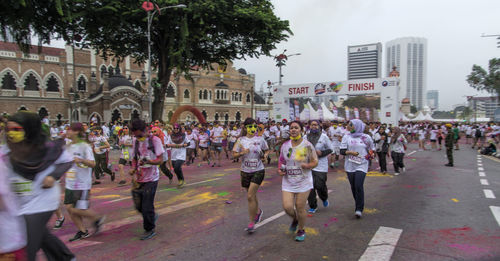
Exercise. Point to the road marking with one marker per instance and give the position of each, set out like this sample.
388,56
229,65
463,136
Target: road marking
479,164
274,217
482,174
496,213
382,244
484,182
138,218
480,168
82,243
488,193
187,185
411,152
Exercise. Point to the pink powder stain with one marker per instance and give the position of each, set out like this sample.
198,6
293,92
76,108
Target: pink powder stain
469,249
330,221
260,190
433,196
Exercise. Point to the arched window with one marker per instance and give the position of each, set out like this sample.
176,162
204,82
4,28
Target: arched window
239,98
248,97
138,86
204,113
186,94
216,117
232,96
210,95
135,115
200,95
8,82
205,95
226,118
31,83
170,91
43,112
52,84
238,116
225,95
217,94
82,84
23,108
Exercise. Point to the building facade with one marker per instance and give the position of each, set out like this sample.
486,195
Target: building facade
75,84
364,61
484,106
433,99
409,55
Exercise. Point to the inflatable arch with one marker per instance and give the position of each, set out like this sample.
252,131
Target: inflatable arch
184,108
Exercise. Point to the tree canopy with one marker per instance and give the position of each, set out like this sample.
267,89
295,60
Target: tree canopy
483,80
203,33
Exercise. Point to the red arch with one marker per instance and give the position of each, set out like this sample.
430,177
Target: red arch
190,108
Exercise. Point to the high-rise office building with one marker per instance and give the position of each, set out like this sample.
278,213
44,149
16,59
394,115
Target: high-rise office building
433,99
409,55
364,61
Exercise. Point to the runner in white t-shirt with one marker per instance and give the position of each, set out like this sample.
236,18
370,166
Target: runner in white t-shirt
178,142
251,149
125,143
192,138
216,136
298,156
79,182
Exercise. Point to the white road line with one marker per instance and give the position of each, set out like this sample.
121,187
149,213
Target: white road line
488,193
484,182
480,168
482,174
479,164
496,213
274,217
411,152
187,185
382,244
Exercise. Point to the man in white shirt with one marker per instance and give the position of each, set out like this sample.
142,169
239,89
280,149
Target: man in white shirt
216,142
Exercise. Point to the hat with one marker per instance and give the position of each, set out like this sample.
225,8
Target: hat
448,125
76,126
284,120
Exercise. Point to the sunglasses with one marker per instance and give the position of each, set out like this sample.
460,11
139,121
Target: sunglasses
251,126
125,128
15,128
289,153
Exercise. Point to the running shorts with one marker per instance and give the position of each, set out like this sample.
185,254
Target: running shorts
80,199
254,177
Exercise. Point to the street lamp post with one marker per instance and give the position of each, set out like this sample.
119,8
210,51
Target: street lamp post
281,61
148,7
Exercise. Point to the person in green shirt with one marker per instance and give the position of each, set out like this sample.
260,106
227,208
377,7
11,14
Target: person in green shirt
456,135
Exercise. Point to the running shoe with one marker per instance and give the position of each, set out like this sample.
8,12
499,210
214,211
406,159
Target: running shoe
113,176
332,165
213,165
98,224
258,217
148,235
301,235
96,182
449,165
250,228
396,173
312,210
122,182
181,183
170,180
79,235
293,226
326,203
404,169
59,223
358,214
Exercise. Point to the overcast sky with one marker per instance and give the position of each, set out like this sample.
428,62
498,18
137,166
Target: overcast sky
324,28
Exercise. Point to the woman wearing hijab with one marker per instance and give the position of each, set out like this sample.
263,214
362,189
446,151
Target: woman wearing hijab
358,150
178,142
323,147
33,166
298,157
398,148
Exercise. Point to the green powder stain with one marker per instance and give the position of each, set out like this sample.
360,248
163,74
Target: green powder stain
225,193
414,159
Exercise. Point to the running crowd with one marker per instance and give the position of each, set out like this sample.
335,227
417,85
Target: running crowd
36,157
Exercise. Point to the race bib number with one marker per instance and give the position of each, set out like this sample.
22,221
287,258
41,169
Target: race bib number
355,159
251,163
71,174
21,186
293,171
126,155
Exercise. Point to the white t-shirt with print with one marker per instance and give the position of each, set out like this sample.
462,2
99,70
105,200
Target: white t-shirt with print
360,145
216,131
251,162
126,151
79,176
148,173
178,153
191,138
98,142
323,143
203,137
297,180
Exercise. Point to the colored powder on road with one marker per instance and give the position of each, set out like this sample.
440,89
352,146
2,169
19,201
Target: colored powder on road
260,190
378,174
325,257
469,249
219,175
311,231
330,221
224,193
370,210
209,221
414,159
341,178
455,200
433,196
106,196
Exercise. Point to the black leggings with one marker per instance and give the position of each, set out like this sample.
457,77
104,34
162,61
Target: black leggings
382,161
40,237
177,164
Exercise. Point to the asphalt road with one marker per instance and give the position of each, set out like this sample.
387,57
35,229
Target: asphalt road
430,212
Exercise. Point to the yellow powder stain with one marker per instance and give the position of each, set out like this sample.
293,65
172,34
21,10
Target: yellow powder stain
219,175
309,230
264,183
209,221
232,169
325,257
185,197
370,210
378,174
106,196
341,178
455,200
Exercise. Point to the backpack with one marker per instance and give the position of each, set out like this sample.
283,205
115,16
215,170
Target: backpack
478,133
151,147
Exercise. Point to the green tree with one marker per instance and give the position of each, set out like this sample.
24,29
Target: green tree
413,109
204,33
489,81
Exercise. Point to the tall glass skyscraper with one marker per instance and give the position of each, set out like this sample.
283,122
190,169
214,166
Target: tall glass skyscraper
364,61
409,55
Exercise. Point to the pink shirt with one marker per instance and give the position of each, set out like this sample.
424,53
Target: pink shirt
148,173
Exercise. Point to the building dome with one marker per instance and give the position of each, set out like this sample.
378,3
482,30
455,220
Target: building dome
118,80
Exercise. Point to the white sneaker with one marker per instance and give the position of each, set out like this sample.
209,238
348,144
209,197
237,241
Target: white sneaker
396,173
358,214
404,169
